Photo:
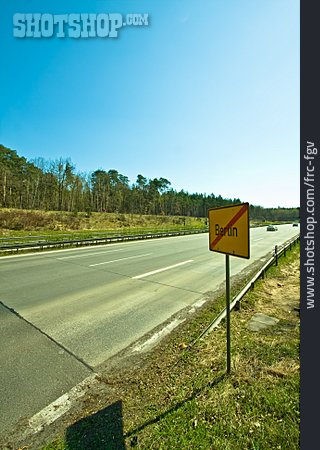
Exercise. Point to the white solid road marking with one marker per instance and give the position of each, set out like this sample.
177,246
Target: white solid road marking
120,259
60,406
89,254
161,270
151,342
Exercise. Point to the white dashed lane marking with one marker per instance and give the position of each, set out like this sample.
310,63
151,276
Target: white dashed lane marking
120,259
147,274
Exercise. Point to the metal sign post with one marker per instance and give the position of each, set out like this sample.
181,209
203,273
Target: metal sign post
228,314
229,234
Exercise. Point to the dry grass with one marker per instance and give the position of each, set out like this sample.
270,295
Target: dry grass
16,220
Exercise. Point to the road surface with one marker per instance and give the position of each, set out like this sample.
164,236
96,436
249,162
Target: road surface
65,312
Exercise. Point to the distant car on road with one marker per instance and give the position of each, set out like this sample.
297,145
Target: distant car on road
272,228
295,224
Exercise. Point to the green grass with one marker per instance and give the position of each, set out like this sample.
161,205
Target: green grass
23,237
182,399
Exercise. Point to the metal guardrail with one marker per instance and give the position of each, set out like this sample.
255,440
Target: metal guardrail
278,251
95,241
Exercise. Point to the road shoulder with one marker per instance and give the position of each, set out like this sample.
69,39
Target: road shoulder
34,370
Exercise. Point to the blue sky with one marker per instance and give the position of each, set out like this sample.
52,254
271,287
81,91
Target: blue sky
206,95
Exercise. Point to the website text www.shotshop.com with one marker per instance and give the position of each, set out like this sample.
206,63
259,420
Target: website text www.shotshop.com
309,237
74,25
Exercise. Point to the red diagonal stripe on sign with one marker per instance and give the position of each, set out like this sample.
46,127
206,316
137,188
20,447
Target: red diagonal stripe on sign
232,222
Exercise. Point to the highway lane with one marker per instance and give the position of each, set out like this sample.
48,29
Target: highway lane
96,301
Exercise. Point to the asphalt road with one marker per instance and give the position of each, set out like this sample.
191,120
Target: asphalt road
78,307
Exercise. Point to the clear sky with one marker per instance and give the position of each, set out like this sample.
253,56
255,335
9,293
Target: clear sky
206,95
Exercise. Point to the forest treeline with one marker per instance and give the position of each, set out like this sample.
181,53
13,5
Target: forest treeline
57,186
